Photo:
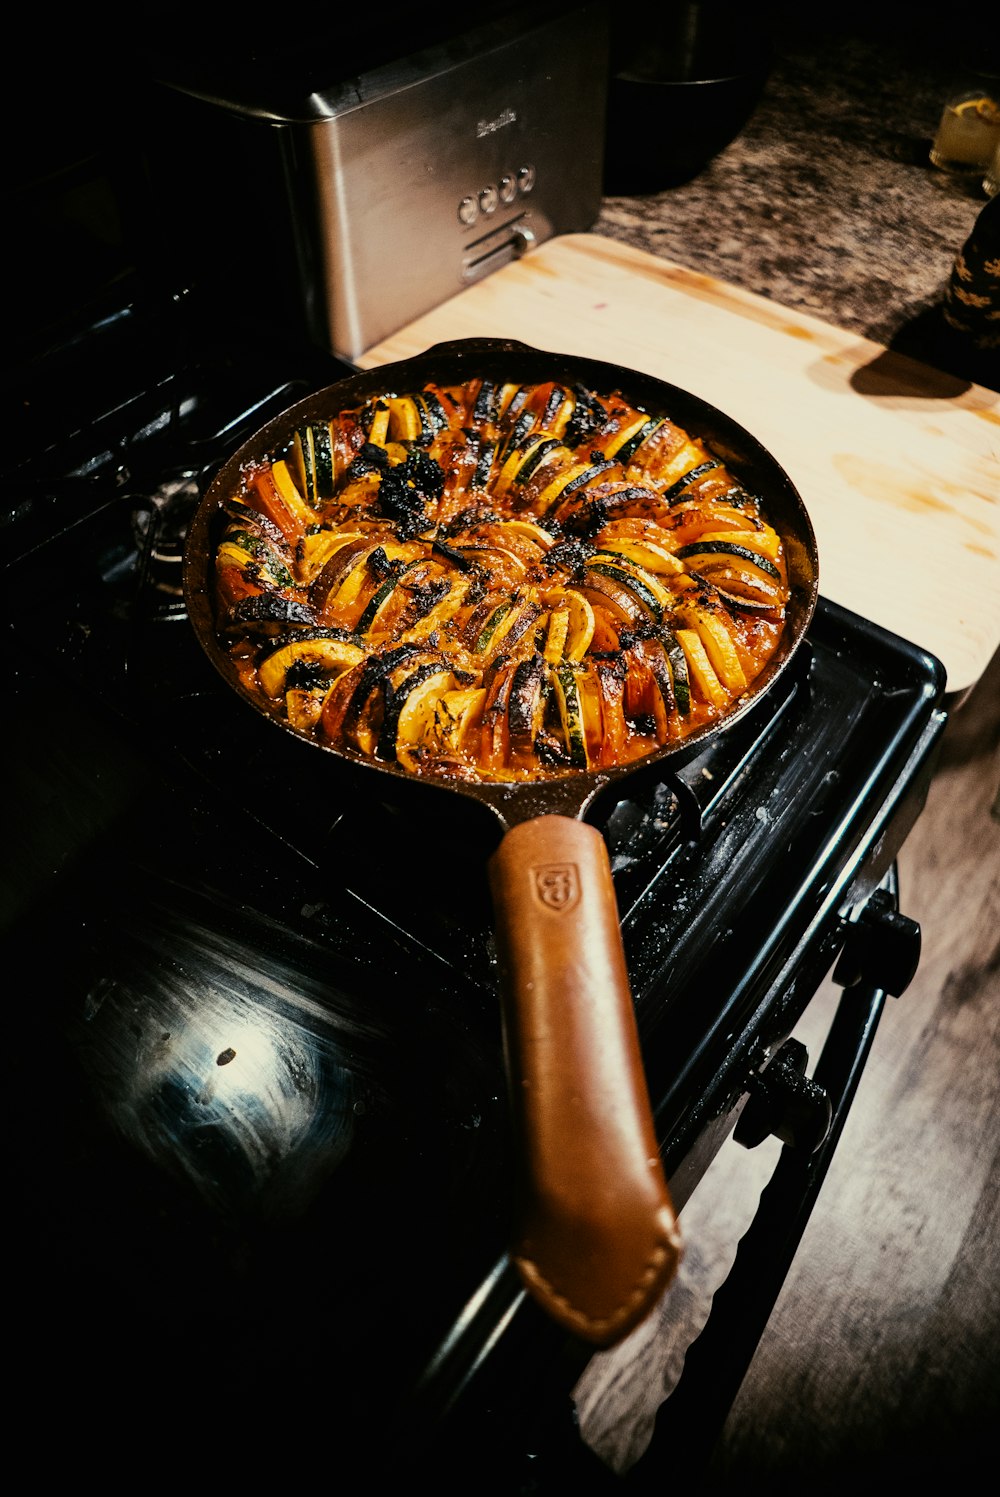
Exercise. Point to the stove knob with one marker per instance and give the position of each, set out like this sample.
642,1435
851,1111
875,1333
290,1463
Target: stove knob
882,948
785,1102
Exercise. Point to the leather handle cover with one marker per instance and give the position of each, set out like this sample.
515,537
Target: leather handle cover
596,1237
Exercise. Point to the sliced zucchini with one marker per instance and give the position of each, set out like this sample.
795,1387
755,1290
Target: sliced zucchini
290,495
700,668
457,719
311,457
253,520
327,652
417,714
679,671
349,584
729,549
254,557
582,624
535,455
556,635
565,681
491,632
441,611
405,421
379,598
685,481
631,568
580,620
718,643
591,471
569,474
613,603
758,538
632,438
645,554
648,596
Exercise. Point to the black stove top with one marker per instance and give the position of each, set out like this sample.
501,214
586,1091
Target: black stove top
261,1157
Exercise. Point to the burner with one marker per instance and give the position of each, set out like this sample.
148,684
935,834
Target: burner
160,522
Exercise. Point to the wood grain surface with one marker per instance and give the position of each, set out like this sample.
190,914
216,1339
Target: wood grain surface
898,464
881,1360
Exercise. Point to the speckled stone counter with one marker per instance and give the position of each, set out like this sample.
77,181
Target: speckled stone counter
827,201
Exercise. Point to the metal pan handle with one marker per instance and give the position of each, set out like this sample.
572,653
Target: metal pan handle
596,1239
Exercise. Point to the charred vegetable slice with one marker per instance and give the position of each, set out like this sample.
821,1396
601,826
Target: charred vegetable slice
624,450
525,705
329,653
378,431
703,551
267,612
682,484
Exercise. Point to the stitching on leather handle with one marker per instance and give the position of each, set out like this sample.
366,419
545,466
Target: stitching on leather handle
600,1325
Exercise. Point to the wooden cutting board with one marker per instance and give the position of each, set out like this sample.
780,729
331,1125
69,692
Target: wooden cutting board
898,464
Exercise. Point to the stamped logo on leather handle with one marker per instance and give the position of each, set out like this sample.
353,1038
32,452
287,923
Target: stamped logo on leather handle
557,885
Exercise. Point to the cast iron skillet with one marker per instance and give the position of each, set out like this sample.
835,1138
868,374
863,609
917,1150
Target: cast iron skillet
595,1235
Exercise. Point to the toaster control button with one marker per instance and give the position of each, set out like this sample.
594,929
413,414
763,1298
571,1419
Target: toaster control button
488,199
468,210
525,178
508,189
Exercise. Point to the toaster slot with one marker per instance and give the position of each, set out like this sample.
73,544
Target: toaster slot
508,241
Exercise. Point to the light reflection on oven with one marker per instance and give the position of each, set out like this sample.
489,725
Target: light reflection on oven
239,1079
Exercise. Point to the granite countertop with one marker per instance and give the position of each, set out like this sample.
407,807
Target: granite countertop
826,201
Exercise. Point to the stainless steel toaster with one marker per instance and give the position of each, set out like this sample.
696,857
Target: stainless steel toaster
348,207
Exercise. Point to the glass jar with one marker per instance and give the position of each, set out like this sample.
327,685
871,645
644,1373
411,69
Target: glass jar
968,133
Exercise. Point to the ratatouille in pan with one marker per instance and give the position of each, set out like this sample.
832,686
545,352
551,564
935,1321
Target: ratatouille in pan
497,581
